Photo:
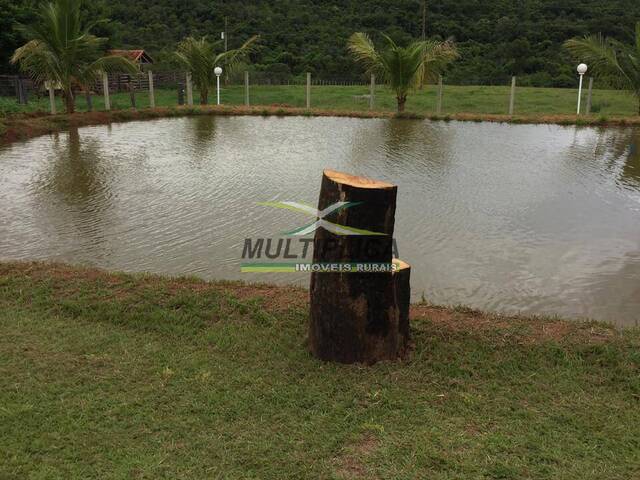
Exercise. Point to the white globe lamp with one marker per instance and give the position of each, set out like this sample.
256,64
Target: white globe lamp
582,69
218,72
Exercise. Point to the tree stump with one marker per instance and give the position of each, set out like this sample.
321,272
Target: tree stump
358,315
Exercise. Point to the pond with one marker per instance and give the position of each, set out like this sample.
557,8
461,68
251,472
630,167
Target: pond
538,219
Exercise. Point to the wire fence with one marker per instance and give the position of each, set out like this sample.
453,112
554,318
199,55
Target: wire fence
18,93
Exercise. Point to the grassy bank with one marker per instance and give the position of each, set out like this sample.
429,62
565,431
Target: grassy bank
119,376
493,100
23,126
535,105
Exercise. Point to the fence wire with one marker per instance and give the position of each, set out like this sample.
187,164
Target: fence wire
18,93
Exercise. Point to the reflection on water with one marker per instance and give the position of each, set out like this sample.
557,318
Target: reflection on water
622,155
201,134
538,219
76,175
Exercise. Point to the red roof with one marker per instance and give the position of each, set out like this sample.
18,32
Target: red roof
134,55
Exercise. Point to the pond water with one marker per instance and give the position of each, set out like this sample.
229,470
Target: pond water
514,218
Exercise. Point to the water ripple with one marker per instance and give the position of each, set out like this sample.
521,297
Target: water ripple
520,218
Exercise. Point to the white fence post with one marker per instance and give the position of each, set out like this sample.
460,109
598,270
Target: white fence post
440,89
52,98
372,91
589,95
308,89
246,88
105,90
512,99
189,90
152,98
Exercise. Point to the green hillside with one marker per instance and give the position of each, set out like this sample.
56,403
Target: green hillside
497,38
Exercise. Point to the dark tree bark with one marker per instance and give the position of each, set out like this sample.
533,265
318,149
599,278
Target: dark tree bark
401,102
89,101
69,101
361,316
132,93
402,292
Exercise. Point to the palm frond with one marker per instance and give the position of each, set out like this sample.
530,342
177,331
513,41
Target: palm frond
436,57
233,59
402,68
197,56
63,51
39,62
108,64
599,52
362,48
616,62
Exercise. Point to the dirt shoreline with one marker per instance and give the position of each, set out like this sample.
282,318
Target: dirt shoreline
24,126
277,300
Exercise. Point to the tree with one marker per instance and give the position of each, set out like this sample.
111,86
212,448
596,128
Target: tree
403,68
199,57
63,52
611,59
424,31
12,12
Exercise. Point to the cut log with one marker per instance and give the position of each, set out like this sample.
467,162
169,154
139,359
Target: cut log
375,212
358,315
402,289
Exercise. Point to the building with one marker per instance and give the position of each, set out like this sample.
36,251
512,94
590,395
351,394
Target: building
139,57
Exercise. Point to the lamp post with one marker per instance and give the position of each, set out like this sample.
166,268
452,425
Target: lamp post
218,72
582,69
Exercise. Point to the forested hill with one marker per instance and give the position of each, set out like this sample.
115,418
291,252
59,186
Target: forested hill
497,38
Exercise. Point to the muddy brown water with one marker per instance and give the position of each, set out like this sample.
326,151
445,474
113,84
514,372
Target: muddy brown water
538,219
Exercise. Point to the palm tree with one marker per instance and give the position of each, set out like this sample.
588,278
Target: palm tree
199,57
403,68
608,58
63,52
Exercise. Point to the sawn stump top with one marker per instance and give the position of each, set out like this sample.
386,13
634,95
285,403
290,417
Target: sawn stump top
354,181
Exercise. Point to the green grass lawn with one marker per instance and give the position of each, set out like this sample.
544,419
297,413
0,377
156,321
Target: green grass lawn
456,99
118,376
